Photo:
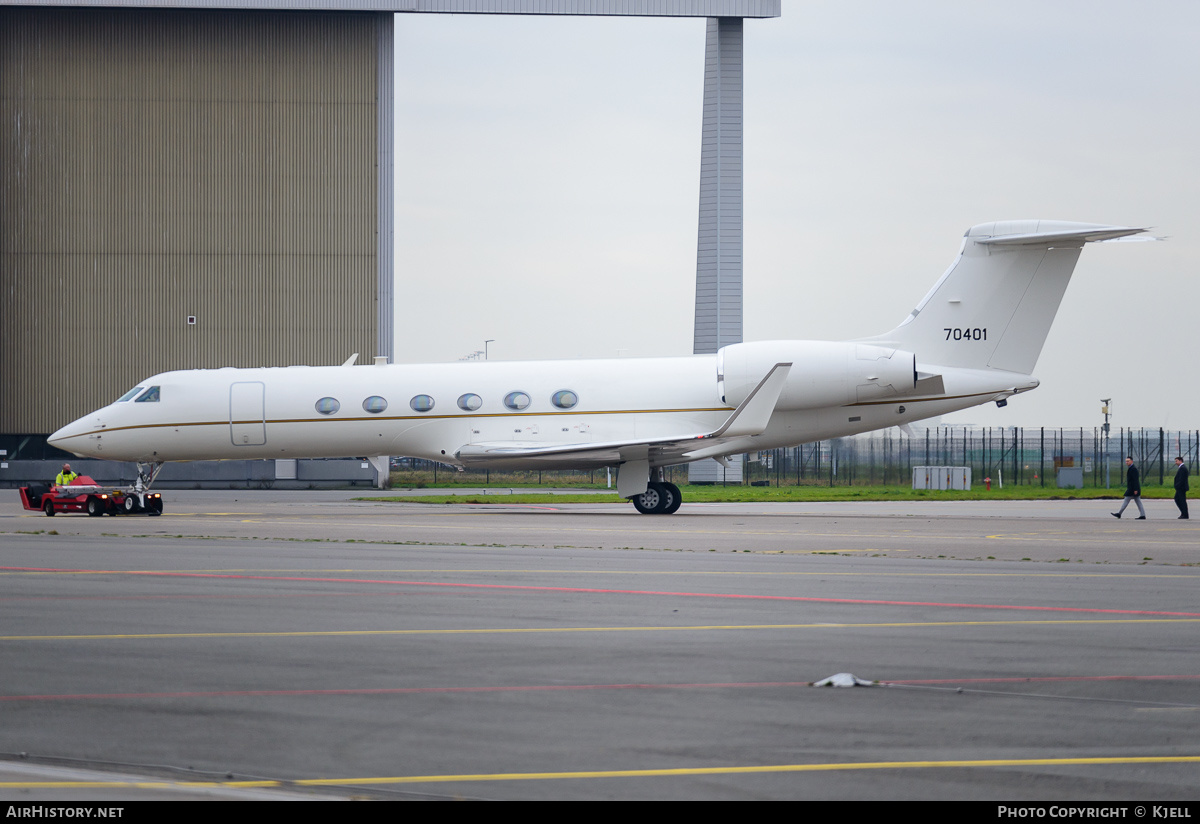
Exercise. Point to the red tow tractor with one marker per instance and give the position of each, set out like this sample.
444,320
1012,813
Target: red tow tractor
85,495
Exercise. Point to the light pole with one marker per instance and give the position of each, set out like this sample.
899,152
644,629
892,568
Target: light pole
1104,410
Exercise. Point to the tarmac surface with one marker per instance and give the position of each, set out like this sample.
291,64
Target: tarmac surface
269,644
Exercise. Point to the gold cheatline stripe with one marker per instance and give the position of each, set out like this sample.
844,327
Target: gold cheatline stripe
410,418
922,400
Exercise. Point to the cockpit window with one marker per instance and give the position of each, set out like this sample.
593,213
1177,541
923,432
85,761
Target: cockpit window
149,396
129,394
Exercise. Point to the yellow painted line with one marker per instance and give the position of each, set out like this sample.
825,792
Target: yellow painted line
680,772
771,768
521,630
1187,541
625,529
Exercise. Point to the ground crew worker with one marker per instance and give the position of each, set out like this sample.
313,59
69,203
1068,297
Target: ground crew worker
66,476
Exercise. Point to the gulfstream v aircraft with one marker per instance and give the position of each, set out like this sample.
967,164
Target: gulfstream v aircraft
973,339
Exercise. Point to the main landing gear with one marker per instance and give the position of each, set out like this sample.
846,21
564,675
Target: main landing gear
660,498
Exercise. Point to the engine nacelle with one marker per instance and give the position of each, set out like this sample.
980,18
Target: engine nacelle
823,373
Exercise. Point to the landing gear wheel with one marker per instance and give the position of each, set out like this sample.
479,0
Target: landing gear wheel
130,504
94,507
652,501
676,499
658,499
155,506
48,508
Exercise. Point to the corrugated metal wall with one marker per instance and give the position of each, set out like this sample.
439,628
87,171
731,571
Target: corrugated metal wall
157,165
719,238
638,8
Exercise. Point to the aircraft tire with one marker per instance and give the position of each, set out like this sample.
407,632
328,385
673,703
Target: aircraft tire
48,508
130,504
94,506
676,499
651,502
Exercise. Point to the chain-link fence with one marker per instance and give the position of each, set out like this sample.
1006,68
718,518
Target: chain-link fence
1006,455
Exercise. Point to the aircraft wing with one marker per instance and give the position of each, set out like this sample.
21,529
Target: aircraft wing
749,419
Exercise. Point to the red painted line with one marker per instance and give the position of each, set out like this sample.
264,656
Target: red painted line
398,691
591,590
553,688
24,598
1048,678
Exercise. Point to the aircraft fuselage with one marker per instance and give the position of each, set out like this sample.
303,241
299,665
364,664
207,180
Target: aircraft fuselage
289,412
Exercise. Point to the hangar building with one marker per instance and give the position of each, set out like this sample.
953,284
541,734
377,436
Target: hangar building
210,184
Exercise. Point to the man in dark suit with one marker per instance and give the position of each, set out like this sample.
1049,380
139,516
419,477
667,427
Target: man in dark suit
1181,487
1133,490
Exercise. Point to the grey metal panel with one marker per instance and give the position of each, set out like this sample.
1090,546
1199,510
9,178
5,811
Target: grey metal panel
156,165
633,8
385,147
719,238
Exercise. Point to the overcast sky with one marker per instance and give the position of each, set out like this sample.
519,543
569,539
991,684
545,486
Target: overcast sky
547,181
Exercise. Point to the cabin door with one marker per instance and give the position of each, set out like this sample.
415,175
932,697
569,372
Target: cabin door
247,418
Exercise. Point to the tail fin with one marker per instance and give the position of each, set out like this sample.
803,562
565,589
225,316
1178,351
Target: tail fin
993,307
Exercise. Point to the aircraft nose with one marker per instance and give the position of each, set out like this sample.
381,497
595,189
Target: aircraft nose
74,436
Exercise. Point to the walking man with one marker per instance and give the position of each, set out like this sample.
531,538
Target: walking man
1133,490
1181,487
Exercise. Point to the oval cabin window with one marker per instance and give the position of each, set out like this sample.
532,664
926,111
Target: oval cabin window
327,406
564,399
469,402
375,404
421,403
516,400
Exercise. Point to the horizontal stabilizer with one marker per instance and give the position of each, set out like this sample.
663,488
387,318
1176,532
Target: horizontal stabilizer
1049,238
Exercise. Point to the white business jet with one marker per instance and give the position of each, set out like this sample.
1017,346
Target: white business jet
973,339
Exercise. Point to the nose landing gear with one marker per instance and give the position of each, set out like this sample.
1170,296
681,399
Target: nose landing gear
140,499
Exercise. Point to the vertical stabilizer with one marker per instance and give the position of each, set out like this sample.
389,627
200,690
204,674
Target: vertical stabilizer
993,307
